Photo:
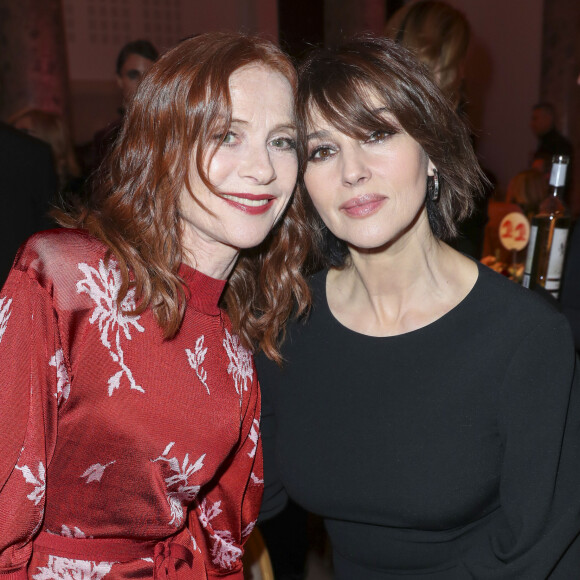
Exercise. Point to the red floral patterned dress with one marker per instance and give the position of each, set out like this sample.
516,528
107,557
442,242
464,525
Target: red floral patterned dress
122,455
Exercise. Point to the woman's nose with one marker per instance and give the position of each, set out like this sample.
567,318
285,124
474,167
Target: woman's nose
355,170
257,166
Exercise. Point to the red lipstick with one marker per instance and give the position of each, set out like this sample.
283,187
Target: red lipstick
249,203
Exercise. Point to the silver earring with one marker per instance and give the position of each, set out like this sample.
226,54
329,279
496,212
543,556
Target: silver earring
434,193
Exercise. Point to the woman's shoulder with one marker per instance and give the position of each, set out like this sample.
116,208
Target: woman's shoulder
55,254
499,296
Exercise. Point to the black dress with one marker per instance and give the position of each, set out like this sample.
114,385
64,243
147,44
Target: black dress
449,452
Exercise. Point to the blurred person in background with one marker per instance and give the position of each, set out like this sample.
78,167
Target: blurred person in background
28,183
543,124
542,163
51,128
528,189
551,142
439,36
133,62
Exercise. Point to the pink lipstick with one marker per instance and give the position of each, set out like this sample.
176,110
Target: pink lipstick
363,206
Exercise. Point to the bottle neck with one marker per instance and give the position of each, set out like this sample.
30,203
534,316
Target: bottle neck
558,175
556,191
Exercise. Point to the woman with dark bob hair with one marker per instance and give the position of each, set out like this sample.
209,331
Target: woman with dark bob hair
427,407
129,432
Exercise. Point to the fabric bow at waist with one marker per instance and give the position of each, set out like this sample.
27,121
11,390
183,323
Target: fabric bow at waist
165,553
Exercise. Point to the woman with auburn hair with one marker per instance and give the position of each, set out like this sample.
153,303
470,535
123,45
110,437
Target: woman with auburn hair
129,431
428,408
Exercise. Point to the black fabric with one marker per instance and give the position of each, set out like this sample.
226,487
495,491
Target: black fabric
28,183
449,452
570,294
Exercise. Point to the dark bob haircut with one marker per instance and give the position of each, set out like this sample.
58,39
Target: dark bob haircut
142,48
339,85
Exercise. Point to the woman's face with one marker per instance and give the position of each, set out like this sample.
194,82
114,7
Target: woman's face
368,192
253,169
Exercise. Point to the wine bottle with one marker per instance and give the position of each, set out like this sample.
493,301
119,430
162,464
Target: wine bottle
549,234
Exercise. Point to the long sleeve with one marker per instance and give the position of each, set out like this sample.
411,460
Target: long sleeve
275,497
537,534
225,532
31,370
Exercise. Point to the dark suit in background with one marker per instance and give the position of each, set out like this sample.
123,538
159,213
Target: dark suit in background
28,184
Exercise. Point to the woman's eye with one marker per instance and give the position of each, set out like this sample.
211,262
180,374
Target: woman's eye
320,153
229,138
283,143
378,136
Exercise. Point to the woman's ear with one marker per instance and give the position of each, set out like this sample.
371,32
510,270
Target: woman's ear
431,168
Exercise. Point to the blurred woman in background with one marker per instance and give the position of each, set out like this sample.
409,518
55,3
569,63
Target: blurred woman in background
528,189
438,35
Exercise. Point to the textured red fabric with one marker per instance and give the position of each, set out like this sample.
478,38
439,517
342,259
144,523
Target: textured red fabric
112,432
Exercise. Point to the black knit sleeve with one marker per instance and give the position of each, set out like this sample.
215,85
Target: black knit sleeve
275,497
539,423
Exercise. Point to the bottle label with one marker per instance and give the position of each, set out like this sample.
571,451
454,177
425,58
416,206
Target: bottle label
558,175
530,256
556,260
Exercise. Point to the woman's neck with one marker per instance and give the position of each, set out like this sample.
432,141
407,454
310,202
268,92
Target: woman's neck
209,257
400,289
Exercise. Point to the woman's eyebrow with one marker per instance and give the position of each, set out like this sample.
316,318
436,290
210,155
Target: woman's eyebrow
287,125
317,135
284,125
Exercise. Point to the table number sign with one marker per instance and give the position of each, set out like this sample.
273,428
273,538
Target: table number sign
514,231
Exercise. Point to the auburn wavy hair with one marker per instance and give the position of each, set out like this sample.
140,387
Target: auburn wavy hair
181,104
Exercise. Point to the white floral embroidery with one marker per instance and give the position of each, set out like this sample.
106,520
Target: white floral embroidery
249,529
62,382
196,360
74,533
184,493
194,546
103,287
39,482
4,315
254,436
240,366
66,569
95,471
255,479
224,551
